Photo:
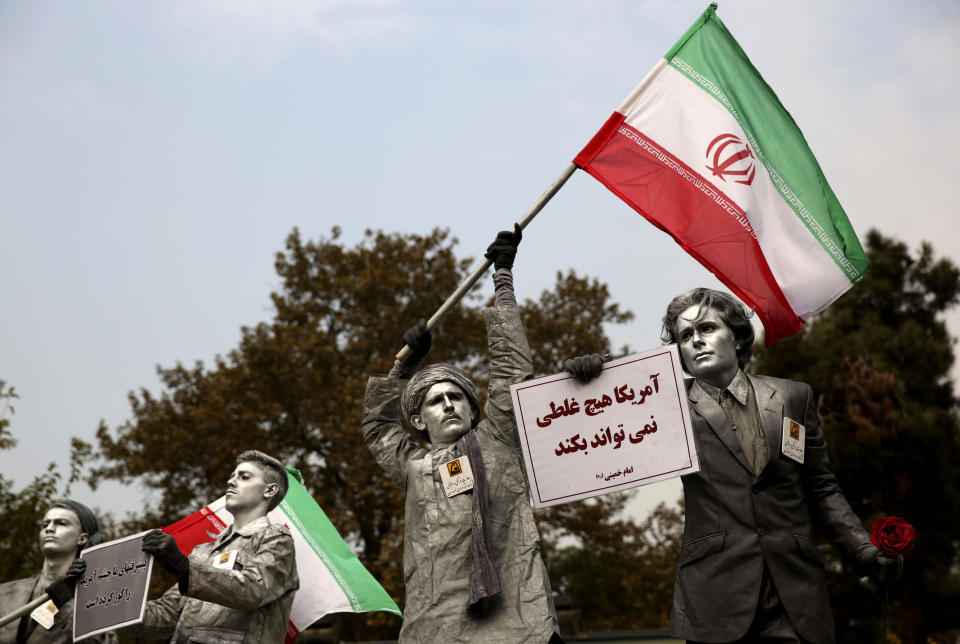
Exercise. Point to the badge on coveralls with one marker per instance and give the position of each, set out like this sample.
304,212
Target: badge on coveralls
792,441
225,560
456,476
44,614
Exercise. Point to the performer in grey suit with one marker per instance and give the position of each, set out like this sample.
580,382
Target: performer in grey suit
749,569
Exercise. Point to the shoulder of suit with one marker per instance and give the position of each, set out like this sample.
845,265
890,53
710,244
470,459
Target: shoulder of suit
779,383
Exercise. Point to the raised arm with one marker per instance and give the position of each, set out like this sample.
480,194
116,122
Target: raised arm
509,353
382,423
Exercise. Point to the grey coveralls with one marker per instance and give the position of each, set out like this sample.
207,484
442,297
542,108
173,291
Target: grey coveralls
248,604
18,593
437,529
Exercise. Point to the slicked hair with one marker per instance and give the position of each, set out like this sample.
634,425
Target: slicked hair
732,313
274,472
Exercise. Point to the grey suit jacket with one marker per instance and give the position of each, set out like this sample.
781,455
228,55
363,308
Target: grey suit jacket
736,521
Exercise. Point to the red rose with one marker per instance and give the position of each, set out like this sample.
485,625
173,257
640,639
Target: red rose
892,535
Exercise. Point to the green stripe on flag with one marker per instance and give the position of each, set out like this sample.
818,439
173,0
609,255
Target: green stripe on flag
356,582
710,57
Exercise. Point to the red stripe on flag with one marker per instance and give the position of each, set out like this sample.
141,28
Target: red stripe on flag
200,527
599,140
291,634
698,216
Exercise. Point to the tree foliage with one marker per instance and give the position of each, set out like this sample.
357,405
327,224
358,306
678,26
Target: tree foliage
618,573
294,385
880,359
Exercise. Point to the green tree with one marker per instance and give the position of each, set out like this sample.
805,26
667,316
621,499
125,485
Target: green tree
879,359
294,385
618,573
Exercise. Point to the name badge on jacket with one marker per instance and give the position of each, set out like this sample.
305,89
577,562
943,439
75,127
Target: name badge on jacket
793,440
456,476
225,560
44,614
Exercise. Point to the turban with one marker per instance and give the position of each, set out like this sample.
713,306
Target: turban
88,521
416,390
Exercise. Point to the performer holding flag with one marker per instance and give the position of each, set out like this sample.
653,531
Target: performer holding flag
471,563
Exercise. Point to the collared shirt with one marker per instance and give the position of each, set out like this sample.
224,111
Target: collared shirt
739,403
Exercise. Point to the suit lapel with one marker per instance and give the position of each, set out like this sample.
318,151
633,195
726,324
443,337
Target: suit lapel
770,405
710,410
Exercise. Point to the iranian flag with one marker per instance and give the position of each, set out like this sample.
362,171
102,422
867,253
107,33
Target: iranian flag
705,151
332,579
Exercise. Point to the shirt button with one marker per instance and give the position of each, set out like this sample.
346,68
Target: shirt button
733,426
761,531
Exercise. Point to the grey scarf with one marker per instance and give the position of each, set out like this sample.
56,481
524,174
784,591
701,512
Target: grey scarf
484,578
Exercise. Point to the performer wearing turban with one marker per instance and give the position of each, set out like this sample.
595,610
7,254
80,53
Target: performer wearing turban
471,562
67,528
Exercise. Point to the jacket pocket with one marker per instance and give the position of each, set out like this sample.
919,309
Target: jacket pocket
808,548
700,548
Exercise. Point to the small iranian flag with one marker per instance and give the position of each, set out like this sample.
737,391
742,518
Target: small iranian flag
706,152
332,579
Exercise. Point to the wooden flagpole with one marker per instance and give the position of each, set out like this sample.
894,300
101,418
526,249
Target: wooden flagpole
485,264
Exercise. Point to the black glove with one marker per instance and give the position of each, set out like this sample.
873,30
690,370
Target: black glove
61,590
585,368
419,340
164,548
503,250
883,569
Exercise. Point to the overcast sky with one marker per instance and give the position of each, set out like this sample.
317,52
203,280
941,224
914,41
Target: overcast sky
154,156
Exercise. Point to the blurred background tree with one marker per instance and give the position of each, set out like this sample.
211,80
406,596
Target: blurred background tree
879,359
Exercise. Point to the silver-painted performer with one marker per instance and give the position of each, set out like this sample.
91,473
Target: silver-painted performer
749,569
66,529
240,587
472,564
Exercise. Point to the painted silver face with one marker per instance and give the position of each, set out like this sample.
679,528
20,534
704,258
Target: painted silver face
60,532
246,487
707,345
445,414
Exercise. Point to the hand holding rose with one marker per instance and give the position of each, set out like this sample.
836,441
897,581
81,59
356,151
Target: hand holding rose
882,559
892,535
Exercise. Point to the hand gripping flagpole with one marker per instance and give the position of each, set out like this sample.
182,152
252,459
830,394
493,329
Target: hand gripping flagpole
485,264
23,610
